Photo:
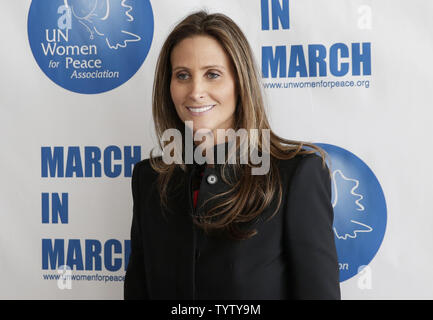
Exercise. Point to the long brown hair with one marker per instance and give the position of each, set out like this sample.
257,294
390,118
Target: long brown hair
250,194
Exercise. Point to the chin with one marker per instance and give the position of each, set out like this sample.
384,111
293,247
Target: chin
203,126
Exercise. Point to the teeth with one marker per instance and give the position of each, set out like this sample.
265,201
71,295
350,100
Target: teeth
201,109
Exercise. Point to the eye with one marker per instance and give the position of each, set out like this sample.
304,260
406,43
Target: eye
213,75
182,76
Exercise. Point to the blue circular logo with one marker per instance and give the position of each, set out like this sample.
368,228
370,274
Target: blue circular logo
90,46
359,210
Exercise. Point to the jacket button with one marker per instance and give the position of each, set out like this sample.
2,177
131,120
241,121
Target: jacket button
212,179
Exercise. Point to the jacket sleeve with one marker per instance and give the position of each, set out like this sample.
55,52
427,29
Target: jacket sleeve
309,236
135,280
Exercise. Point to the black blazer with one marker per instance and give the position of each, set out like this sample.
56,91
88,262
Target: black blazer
293,256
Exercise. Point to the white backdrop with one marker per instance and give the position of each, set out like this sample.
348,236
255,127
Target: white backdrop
385,124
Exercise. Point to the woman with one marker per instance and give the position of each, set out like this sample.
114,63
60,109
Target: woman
217,231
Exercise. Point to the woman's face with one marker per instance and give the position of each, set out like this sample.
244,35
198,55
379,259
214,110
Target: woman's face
203,85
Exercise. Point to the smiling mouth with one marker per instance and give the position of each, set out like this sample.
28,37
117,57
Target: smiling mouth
201,109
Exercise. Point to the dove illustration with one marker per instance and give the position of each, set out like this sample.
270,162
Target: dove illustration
110,19
347,204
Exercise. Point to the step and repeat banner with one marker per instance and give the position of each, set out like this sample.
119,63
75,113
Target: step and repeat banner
353,76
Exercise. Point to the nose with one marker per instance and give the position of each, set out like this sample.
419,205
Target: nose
197,90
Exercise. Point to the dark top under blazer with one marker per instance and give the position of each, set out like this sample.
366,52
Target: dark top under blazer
293,256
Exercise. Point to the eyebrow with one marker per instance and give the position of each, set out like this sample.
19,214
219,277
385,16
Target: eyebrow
202,68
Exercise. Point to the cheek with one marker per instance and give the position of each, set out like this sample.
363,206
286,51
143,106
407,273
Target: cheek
174,91
176,97
228,95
